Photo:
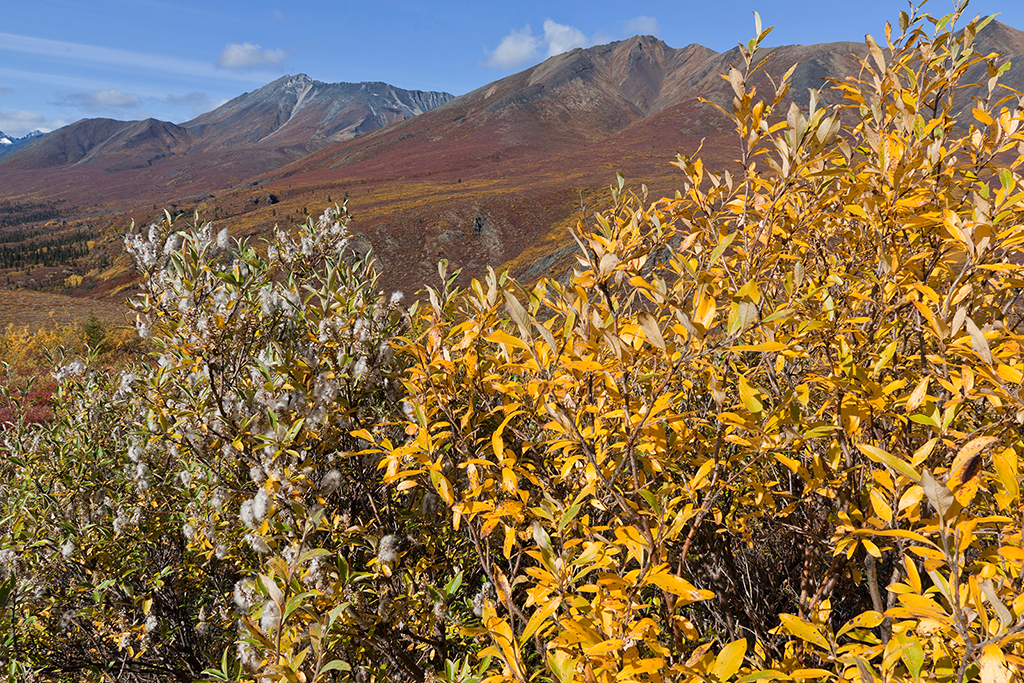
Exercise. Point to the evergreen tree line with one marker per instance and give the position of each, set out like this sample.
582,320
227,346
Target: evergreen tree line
21,235
58,250
22,213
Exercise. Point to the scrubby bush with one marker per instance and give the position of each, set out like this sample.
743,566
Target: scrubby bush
145,512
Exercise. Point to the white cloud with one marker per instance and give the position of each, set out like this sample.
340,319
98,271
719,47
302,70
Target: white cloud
520,47
19,123
514,50
100,101
562,38
642,26
277,15
248,56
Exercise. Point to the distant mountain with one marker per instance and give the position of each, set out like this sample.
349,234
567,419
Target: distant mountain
121,145
9,143
298,111
253,133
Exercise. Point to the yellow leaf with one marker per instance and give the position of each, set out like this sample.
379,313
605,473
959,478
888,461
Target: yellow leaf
702,473
729,660
813,674
917,395
678,586
750,396
869,619
804,630
993,665
506,339
542,613
705,311
1011,374
496,441
509,481
1006,469
443,486
763,347
604,647
880,506
510,539
973,447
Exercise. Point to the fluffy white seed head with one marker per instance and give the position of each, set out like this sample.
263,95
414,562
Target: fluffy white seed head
387,550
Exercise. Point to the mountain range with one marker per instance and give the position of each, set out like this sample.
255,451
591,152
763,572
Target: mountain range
9,143
253,133
492,177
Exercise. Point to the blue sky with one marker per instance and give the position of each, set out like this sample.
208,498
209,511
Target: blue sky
63,60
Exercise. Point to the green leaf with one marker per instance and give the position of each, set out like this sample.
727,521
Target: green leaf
294,602
720,249
651,500
5,591
880,456
336,665
570,515
453,585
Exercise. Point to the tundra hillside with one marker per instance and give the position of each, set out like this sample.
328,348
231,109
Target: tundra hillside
769,429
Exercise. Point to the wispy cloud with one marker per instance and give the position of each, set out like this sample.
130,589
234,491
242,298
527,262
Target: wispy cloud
19,123
198,102
125,59
561,38
248,56
641,26
100,101
5,90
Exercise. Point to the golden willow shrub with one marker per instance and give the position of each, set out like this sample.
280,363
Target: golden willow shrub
771,429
